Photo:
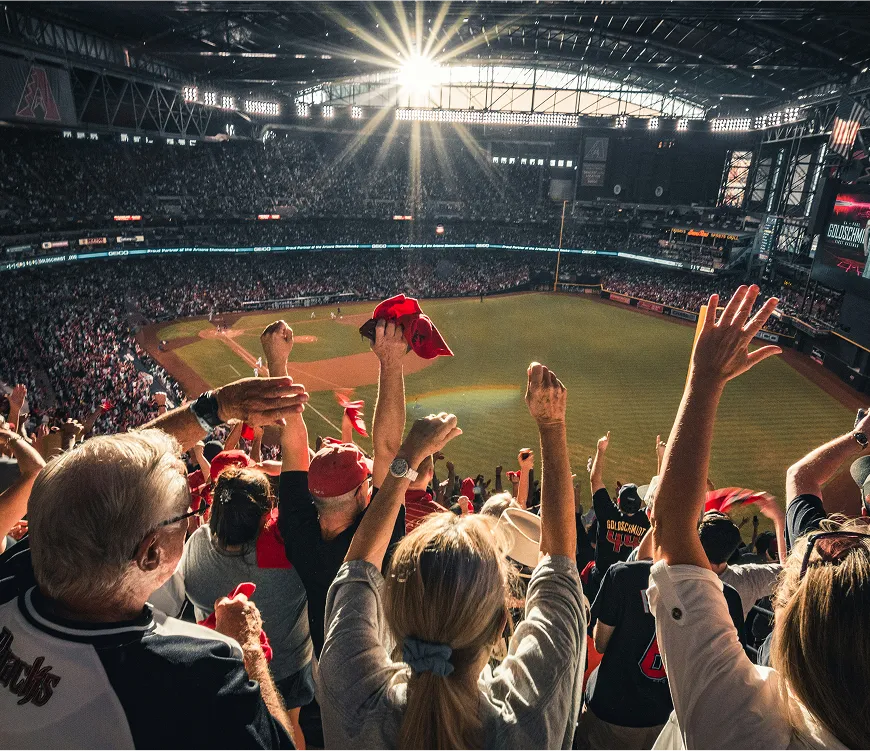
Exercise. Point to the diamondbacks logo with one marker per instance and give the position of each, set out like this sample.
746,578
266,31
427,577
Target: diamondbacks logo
31,682
37,96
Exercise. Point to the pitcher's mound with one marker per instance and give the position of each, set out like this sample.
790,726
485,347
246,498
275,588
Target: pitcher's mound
304,339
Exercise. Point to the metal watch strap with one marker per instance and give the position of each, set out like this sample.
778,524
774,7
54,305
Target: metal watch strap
411,473
205,409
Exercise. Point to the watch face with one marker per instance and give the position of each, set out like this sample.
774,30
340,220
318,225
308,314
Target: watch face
399,467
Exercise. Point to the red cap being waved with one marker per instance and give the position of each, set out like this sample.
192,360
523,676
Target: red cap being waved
420,332
337,469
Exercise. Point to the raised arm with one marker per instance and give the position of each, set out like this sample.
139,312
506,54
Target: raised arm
91,420
346,429
660,453
526,460
372,538
199,454
13,500
547,400
721,353
257,401
16,403
257,445
277,343
770,508
235,435
808,476
598,464
388,424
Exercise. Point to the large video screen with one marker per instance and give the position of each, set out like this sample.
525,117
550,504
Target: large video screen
841,255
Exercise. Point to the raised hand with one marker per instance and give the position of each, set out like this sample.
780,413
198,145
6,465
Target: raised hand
17,397
526,459
70,431
429,435
260,401
277,342
604,442
389,344
768,506
660,448
722,350
546,396
7,435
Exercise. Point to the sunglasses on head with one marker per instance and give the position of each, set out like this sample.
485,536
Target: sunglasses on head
831,546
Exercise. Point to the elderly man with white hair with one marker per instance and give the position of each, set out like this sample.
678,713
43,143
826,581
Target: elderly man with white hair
84,661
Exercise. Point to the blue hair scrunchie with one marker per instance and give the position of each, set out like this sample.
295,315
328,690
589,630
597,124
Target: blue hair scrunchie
423,656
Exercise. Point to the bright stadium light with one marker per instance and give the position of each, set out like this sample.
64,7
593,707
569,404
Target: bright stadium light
419,73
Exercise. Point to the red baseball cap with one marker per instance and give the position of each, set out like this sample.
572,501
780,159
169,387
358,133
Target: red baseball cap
337,469
226,459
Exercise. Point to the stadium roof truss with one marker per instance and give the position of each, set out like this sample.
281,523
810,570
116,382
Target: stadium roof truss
551,88
729,59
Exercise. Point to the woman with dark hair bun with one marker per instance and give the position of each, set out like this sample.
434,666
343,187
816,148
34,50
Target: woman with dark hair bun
239,544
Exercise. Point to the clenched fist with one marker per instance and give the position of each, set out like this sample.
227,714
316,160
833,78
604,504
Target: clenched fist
546,396
239,619
277,342
429,435
389,345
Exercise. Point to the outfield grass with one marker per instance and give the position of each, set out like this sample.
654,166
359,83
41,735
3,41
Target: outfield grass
624,371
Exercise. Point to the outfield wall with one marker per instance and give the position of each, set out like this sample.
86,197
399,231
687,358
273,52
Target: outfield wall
775,337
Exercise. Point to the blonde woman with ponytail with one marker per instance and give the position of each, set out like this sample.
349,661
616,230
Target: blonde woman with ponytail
443,609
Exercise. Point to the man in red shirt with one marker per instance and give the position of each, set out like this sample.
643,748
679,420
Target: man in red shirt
419,503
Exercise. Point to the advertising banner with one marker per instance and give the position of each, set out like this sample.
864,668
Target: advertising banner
767,336
653,306
55,244
684,314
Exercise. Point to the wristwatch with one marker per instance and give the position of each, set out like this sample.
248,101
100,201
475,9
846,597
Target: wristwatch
861,438
205,410
400,468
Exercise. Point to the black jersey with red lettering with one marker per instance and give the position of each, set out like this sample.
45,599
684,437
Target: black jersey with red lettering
618,533
630,687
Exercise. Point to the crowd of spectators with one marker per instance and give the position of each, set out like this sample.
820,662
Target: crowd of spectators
308,175
70,333
320,597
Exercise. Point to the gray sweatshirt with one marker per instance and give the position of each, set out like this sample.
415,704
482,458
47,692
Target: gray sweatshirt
531,700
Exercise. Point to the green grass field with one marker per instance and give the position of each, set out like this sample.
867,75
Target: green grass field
624,372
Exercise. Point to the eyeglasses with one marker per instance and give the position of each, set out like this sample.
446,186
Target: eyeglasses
831,546
203,507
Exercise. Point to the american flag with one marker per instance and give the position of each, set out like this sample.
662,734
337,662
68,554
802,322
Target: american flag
847,121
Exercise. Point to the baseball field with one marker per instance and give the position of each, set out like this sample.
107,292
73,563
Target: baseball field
624,371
